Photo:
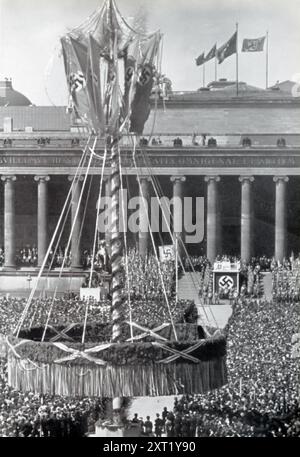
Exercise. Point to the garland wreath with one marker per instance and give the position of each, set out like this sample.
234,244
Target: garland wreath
159,350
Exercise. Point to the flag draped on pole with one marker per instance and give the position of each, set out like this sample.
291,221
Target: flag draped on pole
93,81
93,53
229,48
83,68
75,61
253,45
211,54
113,102
130,63
200,60
143,83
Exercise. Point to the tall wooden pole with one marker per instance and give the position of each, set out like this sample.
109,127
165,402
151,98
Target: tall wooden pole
176,268
117,245
237,59
216,67
116,241
267,60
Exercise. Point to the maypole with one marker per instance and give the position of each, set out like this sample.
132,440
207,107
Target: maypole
116,246
118,276
119,367
116,240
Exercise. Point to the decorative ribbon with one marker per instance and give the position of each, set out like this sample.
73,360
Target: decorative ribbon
177,354
75,354
35,366
147,331
62,333
13,348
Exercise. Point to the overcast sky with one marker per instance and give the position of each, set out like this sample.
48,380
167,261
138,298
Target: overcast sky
30,31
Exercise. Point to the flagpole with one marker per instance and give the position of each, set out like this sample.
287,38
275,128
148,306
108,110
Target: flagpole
237,60
216,71
176,269
267,59
203,74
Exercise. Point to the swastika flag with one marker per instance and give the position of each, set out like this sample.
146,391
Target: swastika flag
253,45
229,48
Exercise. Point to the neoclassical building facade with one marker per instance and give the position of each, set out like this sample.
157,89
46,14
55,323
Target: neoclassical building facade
250,191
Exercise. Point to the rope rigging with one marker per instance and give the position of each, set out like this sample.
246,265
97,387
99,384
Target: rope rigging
26,308
157,190
148,47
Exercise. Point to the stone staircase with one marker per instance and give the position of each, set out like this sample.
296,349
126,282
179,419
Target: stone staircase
188,287
267,285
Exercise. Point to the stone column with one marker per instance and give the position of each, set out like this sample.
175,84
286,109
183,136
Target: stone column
178,230
246,217
280,217
75,242
42,217
212,218
9,222
144,216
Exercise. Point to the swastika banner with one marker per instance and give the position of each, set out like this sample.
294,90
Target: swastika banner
224,281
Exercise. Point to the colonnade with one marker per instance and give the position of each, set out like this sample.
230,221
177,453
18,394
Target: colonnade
213,226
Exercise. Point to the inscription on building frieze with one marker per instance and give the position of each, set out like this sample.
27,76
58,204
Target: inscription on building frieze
158,161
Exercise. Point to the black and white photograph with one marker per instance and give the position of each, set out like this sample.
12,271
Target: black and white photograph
149,222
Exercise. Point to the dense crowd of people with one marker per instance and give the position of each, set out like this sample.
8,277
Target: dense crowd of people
30,415
286,281
261,398
146,274
262,394
27,257
60,310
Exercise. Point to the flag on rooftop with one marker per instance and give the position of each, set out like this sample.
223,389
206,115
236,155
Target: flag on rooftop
200,60
253,45
211,54
229,48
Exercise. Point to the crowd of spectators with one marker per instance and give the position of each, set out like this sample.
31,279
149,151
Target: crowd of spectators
145,276
63,311
100,261
262,394
30,415
196,263
261,398
60,256
27,257
286,281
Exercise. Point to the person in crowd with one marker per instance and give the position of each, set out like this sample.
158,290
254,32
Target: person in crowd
212,142
164,414
135,419
177,142
148,427
169,427
247,142
159,426
194,140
